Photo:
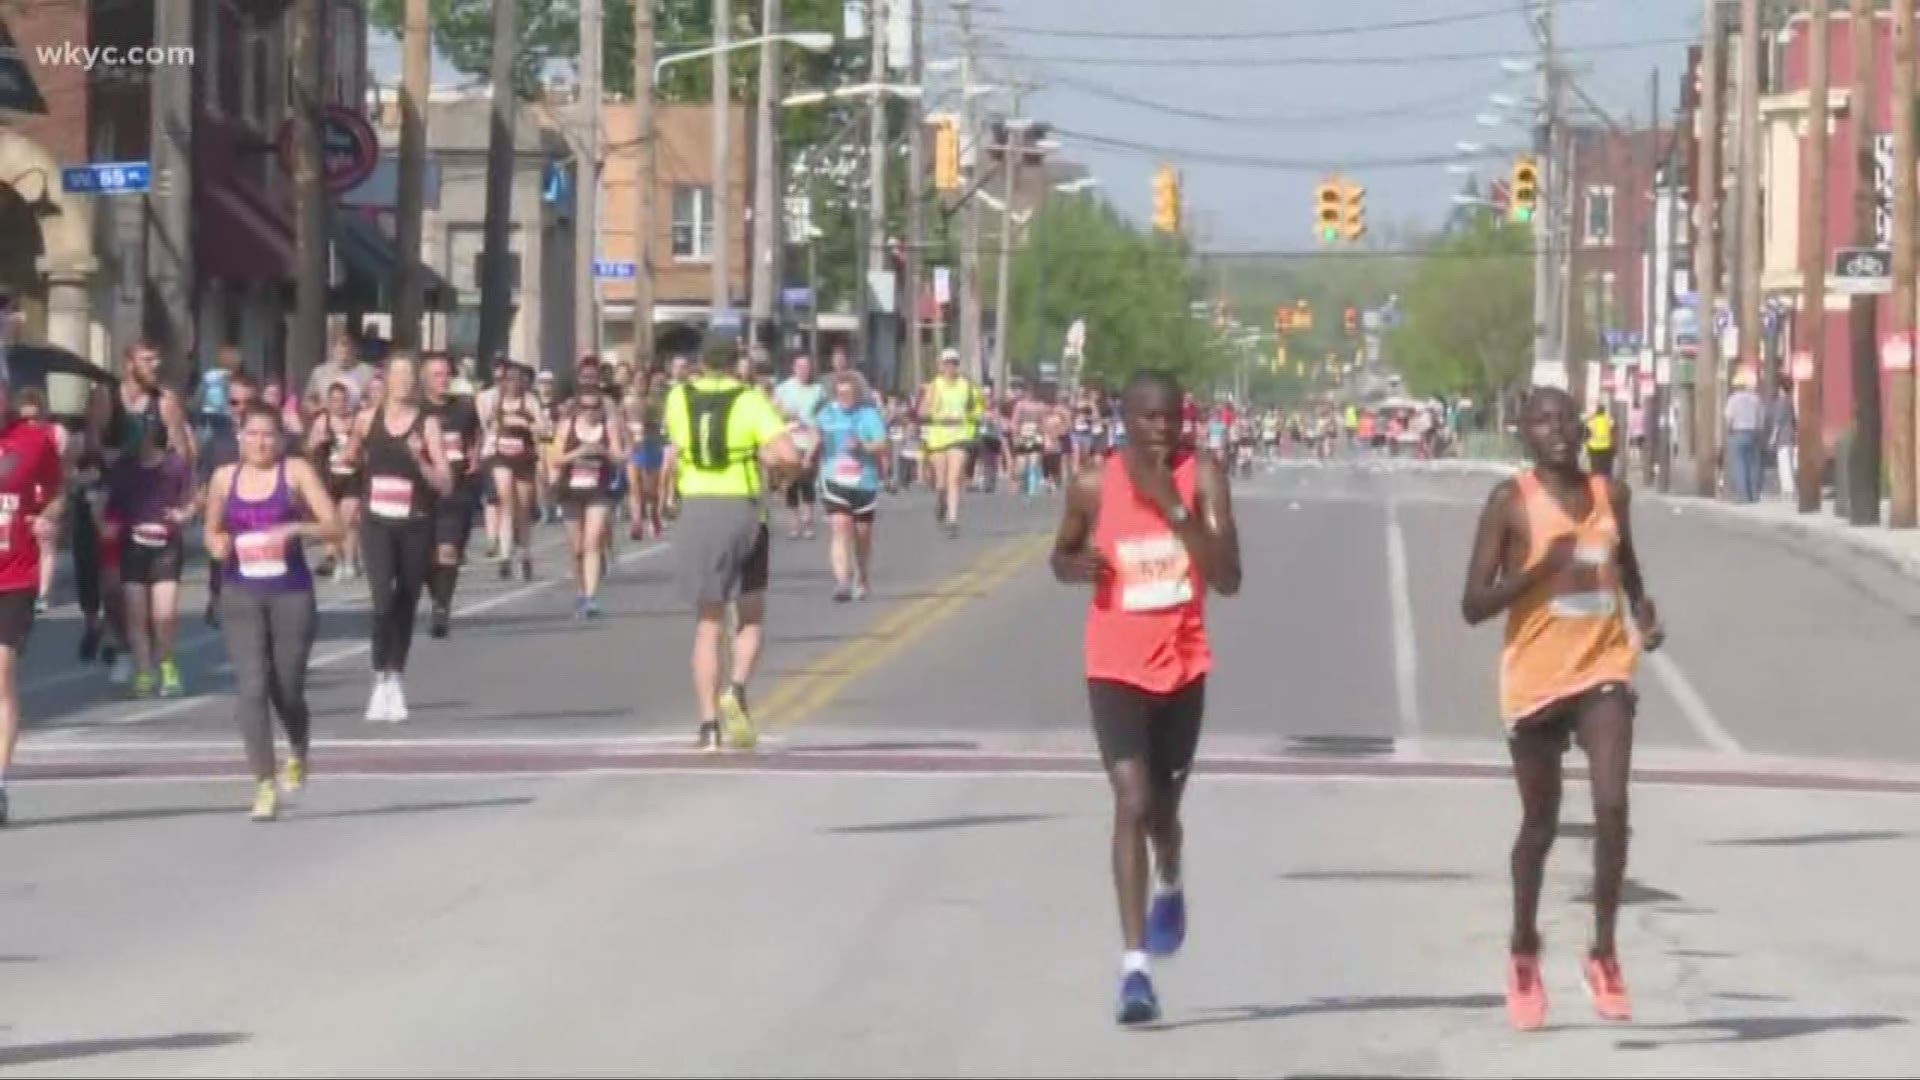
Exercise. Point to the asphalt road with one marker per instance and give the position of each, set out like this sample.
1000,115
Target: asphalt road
537,876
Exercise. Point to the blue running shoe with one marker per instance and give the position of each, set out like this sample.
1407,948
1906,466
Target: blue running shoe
1138,1005
1167,923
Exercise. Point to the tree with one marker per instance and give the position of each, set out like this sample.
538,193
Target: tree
1132,290
1468,324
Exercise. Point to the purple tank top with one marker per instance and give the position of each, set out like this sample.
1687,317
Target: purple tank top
257,562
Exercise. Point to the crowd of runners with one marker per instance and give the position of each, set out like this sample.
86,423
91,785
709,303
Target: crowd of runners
381,473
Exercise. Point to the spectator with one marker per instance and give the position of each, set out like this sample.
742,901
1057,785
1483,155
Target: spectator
1783,435
1746,429
347,365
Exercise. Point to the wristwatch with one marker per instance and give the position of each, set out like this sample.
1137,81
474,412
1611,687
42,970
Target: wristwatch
1177,515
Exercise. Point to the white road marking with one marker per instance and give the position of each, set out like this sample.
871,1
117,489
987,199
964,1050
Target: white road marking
1692,705
606,743
1406,660
349,652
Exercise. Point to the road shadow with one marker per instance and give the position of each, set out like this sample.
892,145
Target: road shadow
413,808
1341,745
1732,995
1751,1029
882,746
18,958
1244,1014
966,821
1378,876
1633,892
821,639
113,817
69,1050
1862,836
554,714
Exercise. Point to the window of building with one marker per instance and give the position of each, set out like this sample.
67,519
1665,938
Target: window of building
466,257
692,223
1599,230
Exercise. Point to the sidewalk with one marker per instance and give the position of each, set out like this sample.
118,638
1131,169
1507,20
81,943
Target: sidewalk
1898,549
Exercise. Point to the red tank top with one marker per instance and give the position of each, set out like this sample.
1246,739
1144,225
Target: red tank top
1147,624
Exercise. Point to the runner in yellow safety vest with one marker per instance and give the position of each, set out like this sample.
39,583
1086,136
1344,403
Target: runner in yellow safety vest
950,411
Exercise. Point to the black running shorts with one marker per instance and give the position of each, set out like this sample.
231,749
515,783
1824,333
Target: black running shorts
16,619
1161,729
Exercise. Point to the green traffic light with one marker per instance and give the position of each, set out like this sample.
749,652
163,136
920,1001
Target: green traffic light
1329,234
1523,213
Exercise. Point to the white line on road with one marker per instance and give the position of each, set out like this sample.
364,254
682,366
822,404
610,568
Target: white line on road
348,652
1406,660
1692,705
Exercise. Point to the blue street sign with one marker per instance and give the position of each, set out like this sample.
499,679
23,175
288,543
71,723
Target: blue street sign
610,268
106,177
796,296
727,319
556,188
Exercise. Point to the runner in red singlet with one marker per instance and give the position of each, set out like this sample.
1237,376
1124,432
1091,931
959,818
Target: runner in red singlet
1152,529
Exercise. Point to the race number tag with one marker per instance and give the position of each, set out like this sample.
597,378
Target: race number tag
338,464
584,476
898,433
455,447
803,437
390,497
9,508
1155,573
1597,603
1029,431
512,446
847,470
151,534
262,556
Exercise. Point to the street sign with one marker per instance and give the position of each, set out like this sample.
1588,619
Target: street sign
349,149
611,268
106,177
1862,272
796,296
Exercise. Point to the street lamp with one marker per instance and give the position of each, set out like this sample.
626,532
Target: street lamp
810,40
861,90
1075,187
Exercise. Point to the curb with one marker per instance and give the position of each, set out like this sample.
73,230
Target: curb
1804,527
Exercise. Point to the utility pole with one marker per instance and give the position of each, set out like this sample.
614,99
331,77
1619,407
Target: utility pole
586,171
170,224
1811,390
1544,224
1012,150
1900,419
1650,407
876,183
644,226
970,352
916,201
416,67
306,340
496,283
1706,261
1747,179
766,187
722,297
1863,469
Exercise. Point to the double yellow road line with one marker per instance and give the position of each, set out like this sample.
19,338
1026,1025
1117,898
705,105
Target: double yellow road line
804,693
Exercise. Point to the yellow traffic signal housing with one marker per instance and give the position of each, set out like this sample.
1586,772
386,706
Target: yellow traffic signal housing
946,155
1353,212
1302,316
1526,187
1328,201
1282,318
1280,357
1166,200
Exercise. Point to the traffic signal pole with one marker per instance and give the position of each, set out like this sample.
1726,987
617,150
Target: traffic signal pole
1811,389
1706,255
1543,140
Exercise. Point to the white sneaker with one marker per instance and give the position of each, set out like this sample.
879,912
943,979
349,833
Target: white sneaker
122,671
378,709
396,701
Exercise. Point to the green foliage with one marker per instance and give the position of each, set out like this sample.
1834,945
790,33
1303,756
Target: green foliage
1469,314
1132,289
1255,287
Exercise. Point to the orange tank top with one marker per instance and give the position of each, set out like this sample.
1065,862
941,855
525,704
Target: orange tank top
1147,623
1570,634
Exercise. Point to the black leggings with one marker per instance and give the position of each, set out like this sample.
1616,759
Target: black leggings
397,555
86,558
269,639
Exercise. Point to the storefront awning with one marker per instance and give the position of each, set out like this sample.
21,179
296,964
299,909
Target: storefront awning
17,90
371,266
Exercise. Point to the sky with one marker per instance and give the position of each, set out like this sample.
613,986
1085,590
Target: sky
1289,91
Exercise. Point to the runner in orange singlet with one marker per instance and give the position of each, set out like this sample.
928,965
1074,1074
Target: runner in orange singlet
1555,552
1152,529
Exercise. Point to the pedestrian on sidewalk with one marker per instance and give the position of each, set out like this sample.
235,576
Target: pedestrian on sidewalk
1746,417
1783,437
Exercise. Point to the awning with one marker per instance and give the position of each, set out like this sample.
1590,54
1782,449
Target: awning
372,265
239,236
17,89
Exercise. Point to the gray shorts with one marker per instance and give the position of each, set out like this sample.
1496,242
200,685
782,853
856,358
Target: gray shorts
721,545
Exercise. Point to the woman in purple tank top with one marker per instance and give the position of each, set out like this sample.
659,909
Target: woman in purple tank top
260,514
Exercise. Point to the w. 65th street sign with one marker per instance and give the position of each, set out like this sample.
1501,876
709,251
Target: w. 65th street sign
1862,272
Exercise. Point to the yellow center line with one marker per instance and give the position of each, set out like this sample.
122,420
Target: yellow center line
849,663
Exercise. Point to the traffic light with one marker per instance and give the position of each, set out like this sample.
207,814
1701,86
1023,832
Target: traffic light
1526,187
1282,318
1328,201
1280,357
1166,200
1302,316
1353,212
946,155
1353,320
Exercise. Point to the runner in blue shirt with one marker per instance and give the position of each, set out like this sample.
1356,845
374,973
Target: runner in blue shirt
853,436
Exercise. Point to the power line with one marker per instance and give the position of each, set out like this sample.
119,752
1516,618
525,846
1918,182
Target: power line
1400,60
1427,105
1291,34
1250,161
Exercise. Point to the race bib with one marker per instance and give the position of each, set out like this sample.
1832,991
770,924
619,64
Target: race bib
897,433
1029,431
261,556
390,497
339,465
584,476
1600,603
454,445
151,534
1155,573
804,438
848,470
512,446
9,509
